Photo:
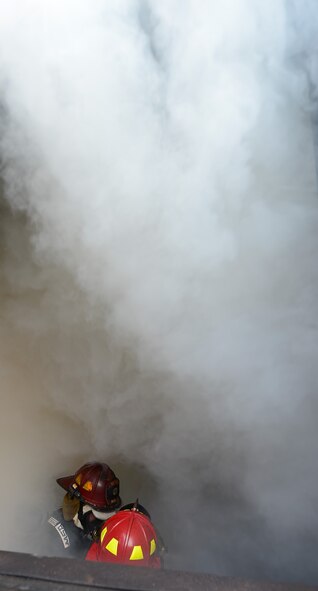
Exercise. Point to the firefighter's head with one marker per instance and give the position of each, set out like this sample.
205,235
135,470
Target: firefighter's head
128,537
94,484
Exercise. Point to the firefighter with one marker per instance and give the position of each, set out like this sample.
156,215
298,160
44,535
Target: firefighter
92,496
128,537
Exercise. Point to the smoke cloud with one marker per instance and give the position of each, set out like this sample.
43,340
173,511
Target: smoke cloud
158,270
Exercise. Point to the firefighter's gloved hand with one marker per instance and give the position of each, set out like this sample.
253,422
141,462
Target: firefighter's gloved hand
70,507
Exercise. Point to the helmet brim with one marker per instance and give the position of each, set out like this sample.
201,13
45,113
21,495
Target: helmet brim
93,552
66,481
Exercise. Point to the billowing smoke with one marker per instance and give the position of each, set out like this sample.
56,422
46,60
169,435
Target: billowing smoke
158,270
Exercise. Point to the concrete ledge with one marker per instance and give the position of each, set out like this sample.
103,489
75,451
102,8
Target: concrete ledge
26,572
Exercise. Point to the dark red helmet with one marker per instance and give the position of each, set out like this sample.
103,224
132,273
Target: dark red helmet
128,537
95,484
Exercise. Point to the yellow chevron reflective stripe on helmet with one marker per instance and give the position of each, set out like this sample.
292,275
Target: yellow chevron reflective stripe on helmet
137,553
152,547
112,546
103,534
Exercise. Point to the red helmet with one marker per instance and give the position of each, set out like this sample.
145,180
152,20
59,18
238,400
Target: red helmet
95,484
128,537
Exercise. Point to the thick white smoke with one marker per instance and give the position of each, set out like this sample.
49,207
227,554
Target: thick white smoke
159,269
